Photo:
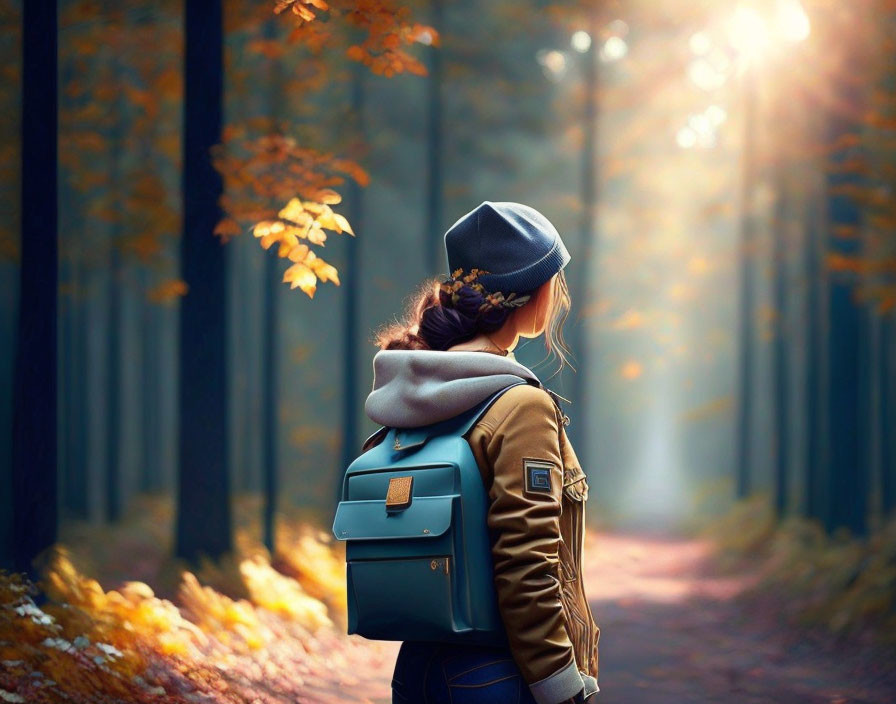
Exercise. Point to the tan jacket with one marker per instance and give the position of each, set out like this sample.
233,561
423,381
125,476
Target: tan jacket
538,536
536,518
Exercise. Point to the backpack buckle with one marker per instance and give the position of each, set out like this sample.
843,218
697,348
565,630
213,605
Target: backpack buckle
399,494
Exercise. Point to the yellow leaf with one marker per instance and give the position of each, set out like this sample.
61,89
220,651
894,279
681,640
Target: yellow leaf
299,253
292,211
316,234
328,196
328,220
300,276
324,271
316,208
262,228
343,223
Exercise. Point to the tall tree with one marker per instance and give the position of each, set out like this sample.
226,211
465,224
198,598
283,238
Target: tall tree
746,295
887,376
270,337
433,235
349,439
781,349
34,395
203,508
846,494
584,286
813,467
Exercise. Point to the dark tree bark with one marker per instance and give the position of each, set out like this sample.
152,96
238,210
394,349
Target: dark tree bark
151,400
747,296
815,469
203,509
351,445
270,341
113,492
886,422
847,500
34,449
270,398
781,348
433,235
75,498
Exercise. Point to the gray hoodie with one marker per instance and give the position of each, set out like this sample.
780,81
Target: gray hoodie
418,387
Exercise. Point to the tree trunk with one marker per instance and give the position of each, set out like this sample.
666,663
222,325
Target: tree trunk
203,508
781,348
815,469
270,340
151,379
113,380
848,469
886,421
352,291
74,348
746,298
582,285
433,234
34,491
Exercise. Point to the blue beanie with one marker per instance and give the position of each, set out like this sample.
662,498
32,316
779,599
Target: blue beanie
516,244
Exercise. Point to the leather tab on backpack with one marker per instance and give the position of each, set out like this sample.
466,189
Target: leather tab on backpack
399,494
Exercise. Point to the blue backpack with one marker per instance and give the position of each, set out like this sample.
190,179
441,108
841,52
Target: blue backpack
418,552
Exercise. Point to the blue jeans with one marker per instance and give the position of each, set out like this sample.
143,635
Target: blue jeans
441,673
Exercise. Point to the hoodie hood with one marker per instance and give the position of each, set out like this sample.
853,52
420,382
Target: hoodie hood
412,388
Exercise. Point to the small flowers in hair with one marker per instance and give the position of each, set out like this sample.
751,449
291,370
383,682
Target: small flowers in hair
492,300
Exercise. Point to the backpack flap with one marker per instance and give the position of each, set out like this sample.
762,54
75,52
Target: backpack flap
425,517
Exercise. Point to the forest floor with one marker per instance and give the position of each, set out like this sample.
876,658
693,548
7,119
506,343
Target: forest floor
674,631
679,624
675,628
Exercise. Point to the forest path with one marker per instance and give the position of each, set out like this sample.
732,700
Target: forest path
673,631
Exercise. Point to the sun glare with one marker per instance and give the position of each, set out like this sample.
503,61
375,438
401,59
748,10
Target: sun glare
793,22
614,49
748,32
581,41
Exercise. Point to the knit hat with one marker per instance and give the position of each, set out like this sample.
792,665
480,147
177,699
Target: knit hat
516,244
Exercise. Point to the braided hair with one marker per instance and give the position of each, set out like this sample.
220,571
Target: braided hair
446,313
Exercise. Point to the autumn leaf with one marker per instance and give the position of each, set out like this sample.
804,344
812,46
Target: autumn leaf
167,291
343,224
301,276
227,228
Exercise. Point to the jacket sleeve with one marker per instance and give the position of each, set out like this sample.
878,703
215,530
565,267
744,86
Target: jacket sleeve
524,521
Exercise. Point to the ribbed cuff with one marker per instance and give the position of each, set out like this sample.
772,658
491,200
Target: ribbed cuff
531,277
563,684
590,685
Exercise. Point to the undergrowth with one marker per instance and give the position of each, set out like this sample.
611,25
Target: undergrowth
248,628
842,583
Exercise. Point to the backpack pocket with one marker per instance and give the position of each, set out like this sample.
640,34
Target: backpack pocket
399,596
400,568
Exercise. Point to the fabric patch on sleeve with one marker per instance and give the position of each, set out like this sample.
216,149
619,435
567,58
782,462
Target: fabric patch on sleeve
538,475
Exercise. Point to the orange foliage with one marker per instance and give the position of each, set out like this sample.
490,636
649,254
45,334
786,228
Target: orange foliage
386,23
261,174
90,645
263,168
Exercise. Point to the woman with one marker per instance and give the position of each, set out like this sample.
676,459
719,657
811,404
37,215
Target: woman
507,282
